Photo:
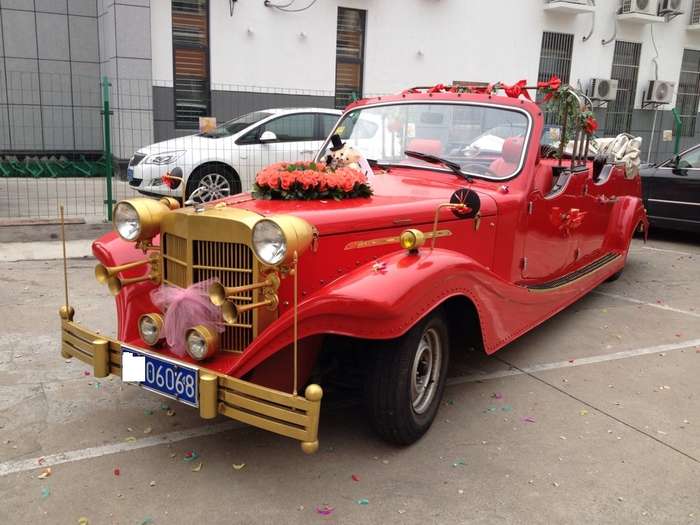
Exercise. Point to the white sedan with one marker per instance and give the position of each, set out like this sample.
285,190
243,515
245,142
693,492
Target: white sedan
224,161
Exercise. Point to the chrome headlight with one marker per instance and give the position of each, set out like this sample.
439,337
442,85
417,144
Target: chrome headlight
126,221
165,157
151,328
268,242
276,238
202,342
139,219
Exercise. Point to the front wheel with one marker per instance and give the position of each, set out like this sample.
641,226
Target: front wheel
212,182
406,381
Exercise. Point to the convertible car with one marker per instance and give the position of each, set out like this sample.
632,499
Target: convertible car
247,306
672,191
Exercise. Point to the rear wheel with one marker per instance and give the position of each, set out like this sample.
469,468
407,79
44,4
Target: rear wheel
212,182
406,381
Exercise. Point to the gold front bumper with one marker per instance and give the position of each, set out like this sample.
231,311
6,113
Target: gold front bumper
279,412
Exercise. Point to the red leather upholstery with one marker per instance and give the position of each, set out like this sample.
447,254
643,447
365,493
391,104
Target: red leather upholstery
510,157
428,146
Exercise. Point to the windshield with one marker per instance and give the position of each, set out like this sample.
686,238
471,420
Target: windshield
485,141
238,124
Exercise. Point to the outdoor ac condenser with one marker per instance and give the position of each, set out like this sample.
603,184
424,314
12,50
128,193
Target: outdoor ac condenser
602,89
646,7
670,7
579,2
660,92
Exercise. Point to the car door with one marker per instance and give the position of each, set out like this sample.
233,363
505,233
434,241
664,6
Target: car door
673,191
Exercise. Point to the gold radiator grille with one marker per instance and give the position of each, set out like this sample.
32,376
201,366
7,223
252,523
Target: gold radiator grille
228,262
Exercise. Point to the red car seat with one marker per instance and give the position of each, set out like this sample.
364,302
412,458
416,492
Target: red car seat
428,146
510,157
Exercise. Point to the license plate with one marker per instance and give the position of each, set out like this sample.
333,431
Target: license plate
169,379
129,174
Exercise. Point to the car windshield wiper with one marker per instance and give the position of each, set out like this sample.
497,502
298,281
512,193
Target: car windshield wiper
434,159
373,163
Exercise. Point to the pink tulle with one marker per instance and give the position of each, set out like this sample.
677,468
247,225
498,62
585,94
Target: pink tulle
185,308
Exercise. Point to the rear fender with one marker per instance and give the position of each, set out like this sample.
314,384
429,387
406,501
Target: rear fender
628,213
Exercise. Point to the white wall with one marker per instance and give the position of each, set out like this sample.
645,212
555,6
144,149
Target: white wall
478,40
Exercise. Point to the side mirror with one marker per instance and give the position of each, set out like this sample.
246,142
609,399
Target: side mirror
679,167
267,136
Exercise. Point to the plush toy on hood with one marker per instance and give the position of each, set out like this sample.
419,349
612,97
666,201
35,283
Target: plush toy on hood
344,156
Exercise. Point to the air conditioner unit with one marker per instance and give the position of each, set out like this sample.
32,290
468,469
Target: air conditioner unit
660,92
602,89
579,2
645,7
670,7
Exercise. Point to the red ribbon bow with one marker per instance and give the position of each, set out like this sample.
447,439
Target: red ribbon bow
552,85
516,90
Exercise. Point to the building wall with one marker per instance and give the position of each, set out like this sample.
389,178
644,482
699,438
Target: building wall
418,42
49,74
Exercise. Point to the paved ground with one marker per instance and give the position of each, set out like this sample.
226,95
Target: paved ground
596,420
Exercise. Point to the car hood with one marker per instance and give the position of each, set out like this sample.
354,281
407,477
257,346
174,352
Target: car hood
400,199
188,143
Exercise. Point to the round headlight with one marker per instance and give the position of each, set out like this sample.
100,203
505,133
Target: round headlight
269,242
150,328
202,342
126,221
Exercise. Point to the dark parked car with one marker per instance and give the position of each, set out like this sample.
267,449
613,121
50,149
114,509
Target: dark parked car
672,191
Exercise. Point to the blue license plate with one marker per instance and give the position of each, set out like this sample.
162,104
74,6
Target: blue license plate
168,378
129,174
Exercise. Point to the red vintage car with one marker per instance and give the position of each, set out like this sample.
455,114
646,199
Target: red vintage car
474,235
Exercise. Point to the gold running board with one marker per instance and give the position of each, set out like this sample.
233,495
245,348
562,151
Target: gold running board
572,277
292,416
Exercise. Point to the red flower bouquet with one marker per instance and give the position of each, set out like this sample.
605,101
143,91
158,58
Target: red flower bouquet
308,181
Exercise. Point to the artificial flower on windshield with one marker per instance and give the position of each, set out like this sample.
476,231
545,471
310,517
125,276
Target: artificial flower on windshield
309,181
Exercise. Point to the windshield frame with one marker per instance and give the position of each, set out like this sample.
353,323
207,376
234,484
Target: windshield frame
523,155
268,114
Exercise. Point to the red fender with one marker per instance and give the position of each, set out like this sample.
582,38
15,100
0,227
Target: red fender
628,212
383,300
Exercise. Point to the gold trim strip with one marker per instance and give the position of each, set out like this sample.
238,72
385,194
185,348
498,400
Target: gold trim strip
268,409
573,281
382,241
221,269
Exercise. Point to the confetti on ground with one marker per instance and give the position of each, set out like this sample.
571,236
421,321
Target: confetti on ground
355,477
527,419
97,384
491,408
562,438
197,467
170,413
238,466
363,501
460,491
172,455
86,372
130,439
507,408
620,498
83,521
325,510
190,455
148,412
117,472
458,463
147,521
41,461
45,474
147,430
451,402
583,413
555,483
163,406
152,483
385,461
45,492
497,395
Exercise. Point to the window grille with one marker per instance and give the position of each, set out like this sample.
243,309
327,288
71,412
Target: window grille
190,61
689,91
350,55
555,59
695,13
625,70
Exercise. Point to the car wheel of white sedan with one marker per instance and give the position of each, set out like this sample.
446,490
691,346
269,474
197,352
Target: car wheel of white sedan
212,183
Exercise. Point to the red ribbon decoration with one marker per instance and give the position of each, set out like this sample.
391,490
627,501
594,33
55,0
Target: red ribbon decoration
552,85
437,88
516,90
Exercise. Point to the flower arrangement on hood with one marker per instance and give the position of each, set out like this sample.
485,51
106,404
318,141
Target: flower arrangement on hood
309,181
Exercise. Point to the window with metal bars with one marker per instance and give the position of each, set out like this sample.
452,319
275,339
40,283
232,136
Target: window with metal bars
689,91
190,19
695,13
625,69
555,59
349,55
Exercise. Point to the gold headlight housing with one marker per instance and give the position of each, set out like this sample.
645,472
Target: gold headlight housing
139,219
276,238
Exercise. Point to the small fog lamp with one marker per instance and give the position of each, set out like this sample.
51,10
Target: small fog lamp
151,328
202,342
412,239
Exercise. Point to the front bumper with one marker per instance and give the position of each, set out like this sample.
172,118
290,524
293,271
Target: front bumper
148,178
292,416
